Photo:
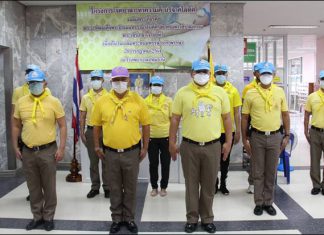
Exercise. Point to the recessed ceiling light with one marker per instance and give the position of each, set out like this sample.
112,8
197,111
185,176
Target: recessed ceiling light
293,26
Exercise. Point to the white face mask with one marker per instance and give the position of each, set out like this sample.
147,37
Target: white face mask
201,79
322,84
156,90
266,79
220,79
119,87
96,84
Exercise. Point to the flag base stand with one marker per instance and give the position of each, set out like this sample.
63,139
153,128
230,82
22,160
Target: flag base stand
74,176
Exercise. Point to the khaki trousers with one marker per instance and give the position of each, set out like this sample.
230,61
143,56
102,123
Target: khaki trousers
94,164
265,156
200,166
316,150
123,172
40,171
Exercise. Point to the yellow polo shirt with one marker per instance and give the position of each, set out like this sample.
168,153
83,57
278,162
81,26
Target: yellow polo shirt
22,91
160,109
44,130
235,101
315,106
201,116
255,106
88,101
248,87
120,126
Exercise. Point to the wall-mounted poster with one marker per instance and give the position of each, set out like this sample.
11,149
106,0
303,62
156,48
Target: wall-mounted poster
140,82
142,35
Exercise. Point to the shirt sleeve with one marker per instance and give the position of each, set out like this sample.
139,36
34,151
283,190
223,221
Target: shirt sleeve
284,105
308,106
96,115
236,99
83,106
144,117
58,109
226,106
177,104
246,109
14,97
16,112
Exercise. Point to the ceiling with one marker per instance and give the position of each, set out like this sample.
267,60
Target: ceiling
258,15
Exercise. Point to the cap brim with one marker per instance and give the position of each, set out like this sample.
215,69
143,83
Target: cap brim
120,76
265,71
201,68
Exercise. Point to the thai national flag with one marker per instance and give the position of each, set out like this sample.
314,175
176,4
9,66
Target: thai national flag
77,95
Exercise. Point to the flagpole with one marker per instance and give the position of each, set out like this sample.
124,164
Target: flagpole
74,176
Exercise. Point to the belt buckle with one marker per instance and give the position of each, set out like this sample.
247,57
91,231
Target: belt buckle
36,148
267,133
201,143
120,150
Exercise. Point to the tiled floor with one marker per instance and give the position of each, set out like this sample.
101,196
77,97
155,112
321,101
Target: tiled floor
298,211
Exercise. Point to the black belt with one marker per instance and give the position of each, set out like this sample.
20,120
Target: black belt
200,143
40,147
317,129
89,127
265,132
123,150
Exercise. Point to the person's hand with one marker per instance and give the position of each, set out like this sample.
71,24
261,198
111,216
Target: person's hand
174,150
100,153
307,135
59,154
284,143
247,147
237,137
83,138
226,148
18,153
142,154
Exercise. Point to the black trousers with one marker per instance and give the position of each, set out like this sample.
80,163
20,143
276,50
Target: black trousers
159,151
224,164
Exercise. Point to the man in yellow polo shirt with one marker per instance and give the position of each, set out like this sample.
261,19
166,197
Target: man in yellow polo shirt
315,135
160,110
120,114
37,114
20,92
221,73
202,107
86,106
267,106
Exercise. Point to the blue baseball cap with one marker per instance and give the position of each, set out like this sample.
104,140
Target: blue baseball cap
257,67
97,73
220,67
267,67
36,76
157,80
321,75
200,65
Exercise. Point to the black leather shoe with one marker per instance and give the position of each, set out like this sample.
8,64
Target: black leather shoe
270,210
216,186
315,191
224,190
131,226
92,193
34,224
209,227
114,227
28,198
107,193
190,227
48,225
322,191
258,210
